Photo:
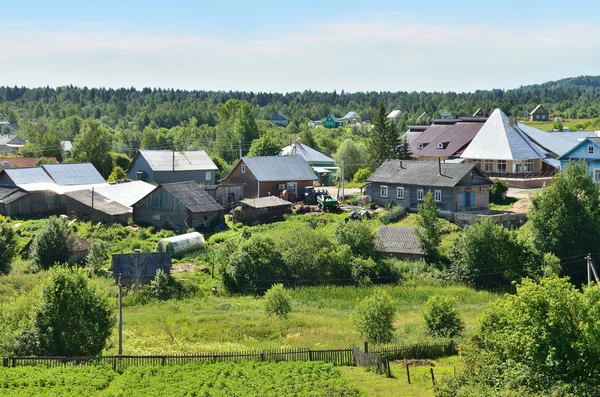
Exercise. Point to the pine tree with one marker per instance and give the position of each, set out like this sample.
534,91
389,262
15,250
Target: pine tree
403,151
383,140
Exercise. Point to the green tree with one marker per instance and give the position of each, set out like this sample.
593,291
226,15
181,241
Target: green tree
558,124
264,146
236,126
375,317
149,139
384,138
117,174
96,257
358,236
442,318
71,317
498,189
53,244
565,217
278,302
8,246
354,155
361,175
429,233
403,150
93,145
164,286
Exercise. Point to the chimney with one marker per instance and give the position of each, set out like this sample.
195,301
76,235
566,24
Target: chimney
401,165
440,165
511,121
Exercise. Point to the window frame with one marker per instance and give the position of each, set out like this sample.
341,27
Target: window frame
435,196
243,168
528,165
399,196
597,176
590,149
208,175
498,164
381,190
281,186
420,194
485,165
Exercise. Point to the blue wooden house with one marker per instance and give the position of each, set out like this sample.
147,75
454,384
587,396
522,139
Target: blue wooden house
587,150
281,120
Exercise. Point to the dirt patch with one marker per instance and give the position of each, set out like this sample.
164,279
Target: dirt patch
183,268
521,205
416,363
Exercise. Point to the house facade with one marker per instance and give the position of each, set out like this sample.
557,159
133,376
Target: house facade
351,118
331,122
539,114
10,144
270,175
455,187
587,150
281,120
168,166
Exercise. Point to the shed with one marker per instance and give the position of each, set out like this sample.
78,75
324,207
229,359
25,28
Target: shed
182,243
91,205
264,209
81,249
168,166
400,241
539,114
139,268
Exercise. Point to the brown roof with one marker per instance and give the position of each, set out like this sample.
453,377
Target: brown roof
27,162
266,202
453,138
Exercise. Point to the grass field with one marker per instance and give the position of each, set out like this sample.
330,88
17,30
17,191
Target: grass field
504,204
549,125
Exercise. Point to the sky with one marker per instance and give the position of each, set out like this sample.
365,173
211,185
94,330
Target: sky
284,46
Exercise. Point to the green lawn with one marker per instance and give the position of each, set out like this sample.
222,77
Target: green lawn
505,204
549,125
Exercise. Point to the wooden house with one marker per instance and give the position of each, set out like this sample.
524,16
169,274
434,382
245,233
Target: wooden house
281,120
270,175
264,210
400,242
10,143
455,187
323,166
228,195
587,151
539,114
331,122
168,166
350,118
178,206
140,267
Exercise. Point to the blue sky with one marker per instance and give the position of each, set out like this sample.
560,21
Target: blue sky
288,46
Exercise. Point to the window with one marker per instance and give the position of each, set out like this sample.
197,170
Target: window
420,194
528,166
383,191
419,146
206,218
537,116
243,168
437,195
597,176
501,166
488,165
591,149
440,145
400,193
208,175
282,186
477,163
518,166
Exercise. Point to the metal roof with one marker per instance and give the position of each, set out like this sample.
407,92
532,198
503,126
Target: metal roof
595,140
279,117
452,137
309,154
192,196
399,240
10,194
11,140
537,108
126,193
349,115
394,113
499,140
27,162
100,203
426,173
279,168
74,174
191,160
21,176
142,264
266,202
558,143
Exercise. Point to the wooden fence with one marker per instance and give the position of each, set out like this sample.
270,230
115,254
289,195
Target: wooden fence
370,360
335,356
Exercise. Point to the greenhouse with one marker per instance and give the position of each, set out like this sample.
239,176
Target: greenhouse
182,243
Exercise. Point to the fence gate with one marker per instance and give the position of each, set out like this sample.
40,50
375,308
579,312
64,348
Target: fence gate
370,360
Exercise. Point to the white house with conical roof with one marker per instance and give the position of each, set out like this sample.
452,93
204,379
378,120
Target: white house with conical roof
502,147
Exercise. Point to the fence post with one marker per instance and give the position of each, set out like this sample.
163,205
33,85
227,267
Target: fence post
407,372
366,347
14,362
432,376
164,358
310,355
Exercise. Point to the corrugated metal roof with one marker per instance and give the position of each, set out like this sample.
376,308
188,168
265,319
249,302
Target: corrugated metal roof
451,137
192,197
126,193
27,162
266,202
162,160
394,113
101,203
350,115
498,140
558,143
399,240
279,117
21,176
279,168
309,154
426,173
537,108
74,174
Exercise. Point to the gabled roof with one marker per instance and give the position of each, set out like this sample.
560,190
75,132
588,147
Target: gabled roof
393,114
453,137
266,202
586,141
309,154
73,174
22,176
399,240
331,116
11,140
538,107
555,142
26,162
499,140
349,115
426,173
8,195
279,168
126,193
192,197
190,160
100,202
279,117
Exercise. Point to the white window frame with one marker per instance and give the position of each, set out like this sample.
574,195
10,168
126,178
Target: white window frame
383,191
498,163
208,175
590,149
485,165
400,193
243,168
518,166
437,196
420,194
597,176
281,186
528,165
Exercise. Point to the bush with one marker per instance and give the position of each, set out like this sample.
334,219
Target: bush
164,286
498,189
442,318
375,317
358,236
8,247
394,215
120,160
70,319
361,175
97,257
117,174
278,302
53,244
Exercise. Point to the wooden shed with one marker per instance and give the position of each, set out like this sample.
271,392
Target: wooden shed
264,209
139,267
178,206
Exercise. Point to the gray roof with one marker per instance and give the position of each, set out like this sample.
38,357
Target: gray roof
126,193
74,174
266,202
538,107
499,140
162,160
399,240
309,154
143,264
566,156
192,197
101,203
426,173
349,115
558,143
279,168
452,137
8,195
12,140
22,176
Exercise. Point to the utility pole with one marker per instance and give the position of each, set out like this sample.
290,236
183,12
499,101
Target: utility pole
120,317
240,148
173,166
588,261
593,268
343,177
92,213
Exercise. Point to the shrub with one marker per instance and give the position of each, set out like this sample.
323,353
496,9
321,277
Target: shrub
53,244
361,175
120,160
278,302
163,286
97,257
358,236
375,317
117,174
442,318
429,233
394,215
8,247
498,189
